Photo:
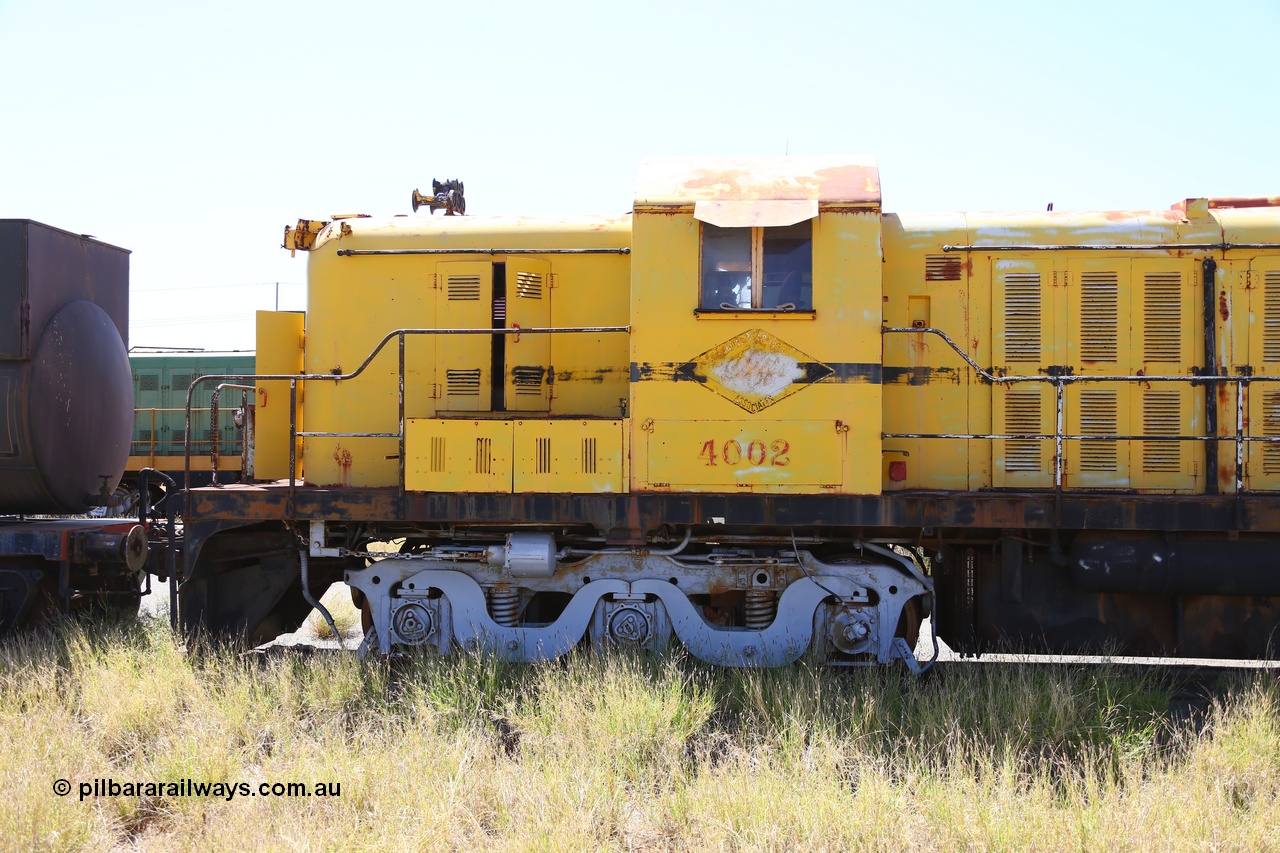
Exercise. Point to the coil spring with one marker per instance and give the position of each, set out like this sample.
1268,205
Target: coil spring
504,604
762,607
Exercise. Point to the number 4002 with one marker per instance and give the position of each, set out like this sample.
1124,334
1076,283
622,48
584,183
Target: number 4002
757,452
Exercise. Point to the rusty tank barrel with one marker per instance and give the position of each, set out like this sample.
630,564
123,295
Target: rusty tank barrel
66,389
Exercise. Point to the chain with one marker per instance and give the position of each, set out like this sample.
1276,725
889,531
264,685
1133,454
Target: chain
386,555
448,557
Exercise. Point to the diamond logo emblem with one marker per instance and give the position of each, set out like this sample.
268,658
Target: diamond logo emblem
754,370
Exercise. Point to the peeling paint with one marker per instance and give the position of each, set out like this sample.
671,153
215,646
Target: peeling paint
921,375
757,372
755,369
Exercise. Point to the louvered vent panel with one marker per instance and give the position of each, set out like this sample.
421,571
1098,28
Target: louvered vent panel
1022,415
529,285
942,267
1161,415
1098,417
178,436
437,454
588,455
180,381
463,383
1162,317
500,310
484,449
528,380
1271,320
1022,317
1099,315
464,288
1271,429
543,465
148,382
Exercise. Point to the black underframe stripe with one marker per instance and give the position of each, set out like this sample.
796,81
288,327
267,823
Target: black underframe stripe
844,373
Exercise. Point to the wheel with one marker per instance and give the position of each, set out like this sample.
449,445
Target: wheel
366,612
909,622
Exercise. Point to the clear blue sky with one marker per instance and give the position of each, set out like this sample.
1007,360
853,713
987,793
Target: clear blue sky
192,133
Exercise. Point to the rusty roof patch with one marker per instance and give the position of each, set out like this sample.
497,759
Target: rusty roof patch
825,179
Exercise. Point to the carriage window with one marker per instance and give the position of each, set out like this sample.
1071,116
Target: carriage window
762,269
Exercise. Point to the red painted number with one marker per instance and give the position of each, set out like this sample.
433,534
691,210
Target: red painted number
757,452
733,447
780,449
709,453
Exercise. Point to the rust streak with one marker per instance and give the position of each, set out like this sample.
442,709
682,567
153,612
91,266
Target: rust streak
343,457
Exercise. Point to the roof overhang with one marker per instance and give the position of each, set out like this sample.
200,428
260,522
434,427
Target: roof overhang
754,214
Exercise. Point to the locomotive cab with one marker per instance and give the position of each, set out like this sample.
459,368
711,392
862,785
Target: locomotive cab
755,312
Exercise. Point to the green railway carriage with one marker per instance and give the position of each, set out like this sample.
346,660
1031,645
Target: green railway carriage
160,383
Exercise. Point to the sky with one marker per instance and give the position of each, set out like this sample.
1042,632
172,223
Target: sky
192,134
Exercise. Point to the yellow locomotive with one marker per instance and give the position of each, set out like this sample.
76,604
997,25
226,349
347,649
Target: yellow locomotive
762,418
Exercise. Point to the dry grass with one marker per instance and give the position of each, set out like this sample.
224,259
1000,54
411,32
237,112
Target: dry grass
346,616
619,752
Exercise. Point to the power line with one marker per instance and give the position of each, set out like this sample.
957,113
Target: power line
217,286
191,321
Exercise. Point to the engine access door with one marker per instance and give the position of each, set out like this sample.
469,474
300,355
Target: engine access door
528,357
463,362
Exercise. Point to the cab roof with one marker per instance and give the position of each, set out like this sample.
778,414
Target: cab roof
825,179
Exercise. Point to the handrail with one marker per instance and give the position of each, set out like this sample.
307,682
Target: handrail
294,378
1067,378
1220,246
1060,381
153,442
213,421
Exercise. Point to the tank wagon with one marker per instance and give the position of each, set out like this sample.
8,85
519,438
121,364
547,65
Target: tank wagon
66,408
761,417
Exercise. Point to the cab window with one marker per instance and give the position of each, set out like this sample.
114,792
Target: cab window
757,269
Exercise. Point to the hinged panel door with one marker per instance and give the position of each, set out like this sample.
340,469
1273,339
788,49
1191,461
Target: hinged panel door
528,357
1098,333
151,426
457,455
464,363
1167,339
567,455
1262,459
1022,325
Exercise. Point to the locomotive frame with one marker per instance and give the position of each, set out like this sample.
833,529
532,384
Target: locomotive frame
1015,502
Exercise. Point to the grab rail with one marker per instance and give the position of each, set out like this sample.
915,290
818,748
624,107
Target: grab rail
1060,381
398,335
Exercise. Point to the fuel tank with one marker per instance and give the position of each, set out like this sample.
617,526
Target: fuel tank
66,391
